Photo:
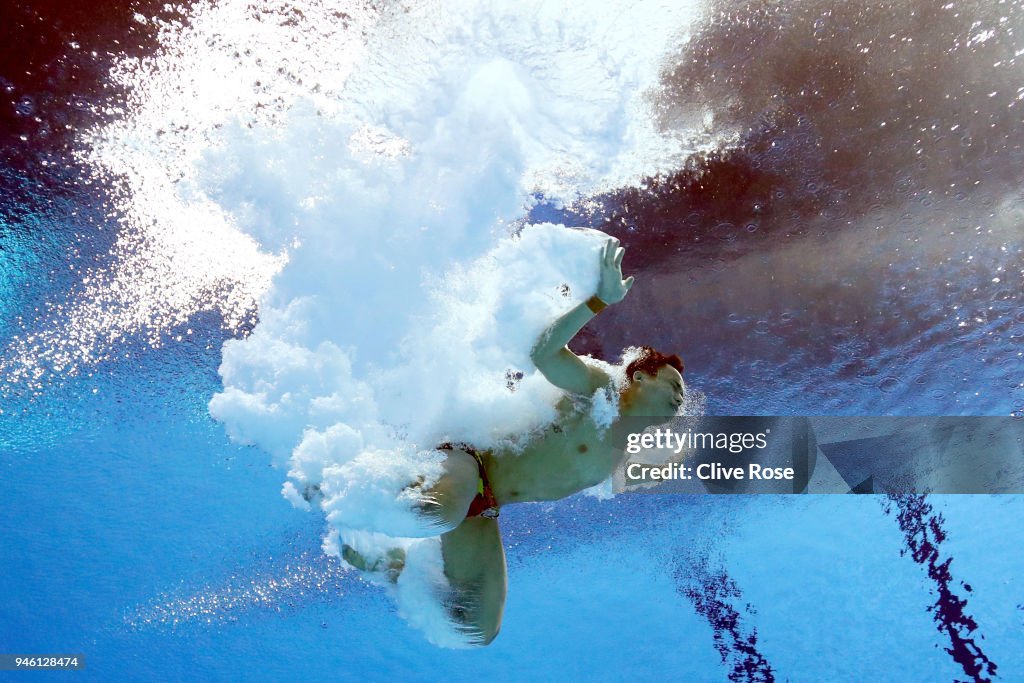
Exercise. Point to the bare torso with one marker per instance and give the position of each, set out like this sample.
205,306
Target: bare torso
570,455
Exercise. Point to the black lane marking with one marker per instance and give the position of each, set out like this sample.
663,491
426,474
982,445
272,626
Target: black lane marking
713,594
923,533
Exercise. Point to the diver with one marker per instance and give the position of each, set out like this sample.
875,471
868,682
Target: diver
572,454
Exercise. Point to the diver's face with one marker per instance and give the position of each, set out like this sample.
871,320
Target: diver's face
658,395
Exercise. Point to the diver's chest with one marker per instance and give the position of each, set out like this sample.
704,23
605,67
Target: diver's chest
580,447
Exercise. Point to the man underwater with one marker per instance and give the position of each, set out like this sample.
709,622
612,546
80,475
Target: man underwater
572,454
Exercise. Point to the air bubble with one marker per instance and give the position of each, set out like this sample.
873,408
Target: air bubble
26,106
889,384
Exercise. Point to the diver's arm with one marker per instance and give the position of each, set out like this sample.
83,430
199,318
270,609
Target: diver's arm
556,362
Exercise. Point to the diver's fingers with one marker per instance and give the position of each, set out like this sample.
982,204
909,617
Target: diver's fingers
628,282
610,248
618,257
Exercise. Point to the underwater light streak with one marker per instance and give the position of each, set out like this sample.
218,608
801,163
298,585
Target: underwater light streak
220,66
312,577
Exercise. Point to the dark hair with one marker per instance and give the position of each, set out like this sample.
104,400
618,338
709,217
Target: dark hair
650,362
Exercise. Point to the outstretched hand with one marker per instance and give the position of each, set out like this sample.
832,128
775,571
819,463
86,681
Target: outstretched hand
611,288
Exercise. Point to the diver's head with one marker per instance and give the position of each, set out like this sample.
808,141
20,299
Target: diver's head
654,385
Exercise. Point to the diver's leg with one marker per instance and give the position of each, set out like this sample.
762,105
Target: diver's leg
445,503
474,564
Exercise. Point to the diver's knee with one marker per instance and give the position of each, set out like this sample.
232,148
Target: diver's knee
445,503
487,636
473,631
481,635
440,517
478,622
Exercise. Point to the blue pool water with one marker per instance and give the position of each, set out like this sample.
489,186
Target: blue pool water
803,258
140,537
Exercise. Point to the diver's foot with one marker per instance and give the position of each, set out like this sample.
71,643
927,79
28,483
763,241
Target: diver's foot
312,494
389,565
